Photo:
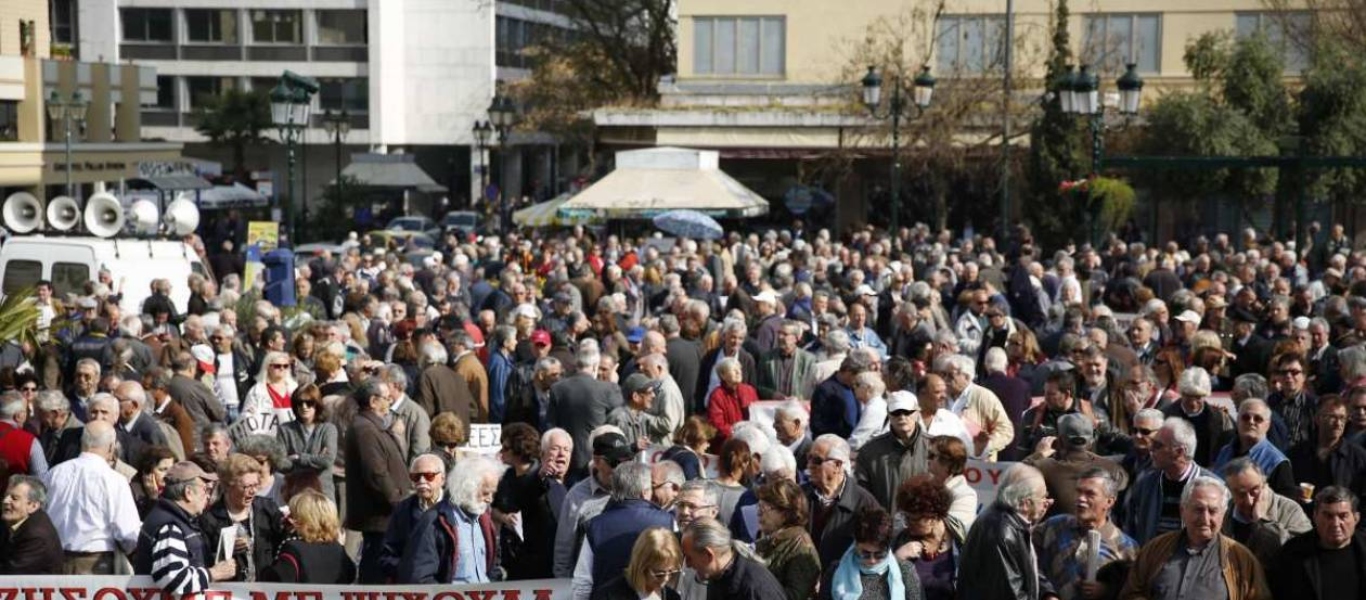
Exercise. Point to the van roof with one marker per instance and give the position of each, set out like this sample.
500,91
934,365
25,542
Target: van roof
159,248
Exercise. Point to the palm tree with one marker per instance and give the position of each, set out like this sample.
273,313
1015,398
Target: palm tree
235,118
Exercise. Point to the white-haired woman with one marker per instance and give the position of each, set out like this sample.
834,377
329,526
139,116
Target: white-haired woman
868,391
271,394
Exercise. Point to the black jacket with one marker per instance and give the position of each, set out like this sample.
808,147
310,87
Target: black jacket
579,404
618,588
537,499
837,532
310,562
268,533
1297,574
997,562
1346,466
745,579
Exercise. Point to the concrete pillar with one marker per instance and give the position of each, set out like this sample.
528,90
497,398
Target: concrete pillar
98,118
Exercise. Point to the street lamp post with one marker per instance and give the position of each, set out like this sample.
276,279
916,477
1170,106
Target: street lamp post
503,115
289,107
337,127
921,96
483,130
67,112
1080,95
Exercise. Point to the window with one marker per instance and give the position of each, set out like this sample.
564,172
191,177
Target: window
200,88
166,85
146,24
351,95
341,27
739,45
1290,32
1111,41
63,21
970,44
211,26
9,121
20,274
69,278
277,27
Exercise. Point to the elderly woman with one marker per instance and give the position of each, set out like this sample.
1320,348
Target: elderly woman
736,468
690,443
929,540
270,453
310,441
152,466
331,377
655,560
312,553
449,433
729,403
869,570
947,459
1213,426
271,393
259,522
869,389
785,544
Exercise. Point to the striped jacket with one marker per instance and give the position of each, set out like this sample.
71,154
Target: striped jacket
171,550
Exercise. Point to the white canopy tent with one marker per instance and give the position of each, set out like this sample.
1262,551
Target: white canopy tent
652,181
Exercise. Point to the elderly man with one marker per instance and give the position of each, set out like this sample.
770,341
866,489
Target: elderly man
666,479
1254,422
1146,423
54,418
416,424
669,399
1260,519
1059,540
133,419
1154,502
998,551
468,368
901,453
641,426
375,472
171,549
583,501
439,389
92,505
790,424
833,497
709,551
834,348
199,401
231,370
861,334
536,495
1073,455
1212,425
1040,424
20,452
85,382
580,404
1326,459
981,411
28,542
610,536
783,369
418,545
472,484
105,408
1196,561
835,408
1290,397
1328,562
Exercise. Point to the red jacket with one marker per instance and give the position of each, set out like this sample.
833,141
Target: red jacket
726,408
15,445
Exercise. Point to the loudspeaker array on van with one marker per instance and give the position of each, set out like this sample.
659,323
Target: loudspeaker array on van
103,215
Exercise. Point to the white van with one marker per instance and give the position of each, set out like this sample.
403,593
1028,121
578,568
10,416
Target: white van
69,262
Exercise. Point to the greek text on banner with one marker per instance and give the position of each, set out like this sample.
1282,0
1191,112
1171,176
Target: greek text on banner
142,588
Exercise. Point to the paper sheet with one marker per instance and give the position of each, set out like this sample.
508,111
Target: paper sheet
227,540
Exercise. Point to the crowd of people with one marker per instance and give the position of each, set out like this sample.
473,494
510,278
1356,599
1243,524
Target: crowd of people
780,415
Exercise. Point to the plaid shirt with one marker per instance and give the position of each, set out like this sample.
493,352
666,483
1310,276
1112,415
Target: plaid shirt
1060,543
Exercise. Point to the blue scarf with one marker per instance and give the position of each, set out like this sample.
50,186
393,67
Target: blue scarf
848,585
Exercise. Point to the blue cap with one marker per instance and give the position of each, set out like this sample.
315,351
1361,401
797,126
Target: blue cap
635,334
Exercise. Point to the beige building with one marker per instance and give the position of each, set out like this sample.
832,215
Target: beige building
106,150
773,84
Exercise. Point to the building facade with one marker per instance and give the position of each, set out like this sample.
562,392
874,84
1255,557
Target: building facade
773,84
412,76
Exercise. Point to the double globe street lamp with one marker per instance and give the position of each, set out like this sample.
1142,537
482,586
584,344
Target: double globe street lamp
68,112
922,93
290,102
1079,94
502,117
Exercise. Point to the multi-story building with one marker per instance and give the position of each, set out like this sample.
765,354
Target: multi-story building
413,76
773,84
106,146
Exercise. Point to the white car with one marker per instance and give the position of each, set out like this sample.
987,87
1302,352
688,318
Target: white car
415,225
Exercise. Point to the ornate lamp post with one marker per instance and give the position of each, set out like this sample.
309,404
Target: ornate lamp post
68,112
503,115
289,107
921,94
483,131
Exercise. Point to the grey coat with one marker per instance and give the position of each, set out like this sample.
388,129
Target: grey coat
417,425
579,404
317,451
200,401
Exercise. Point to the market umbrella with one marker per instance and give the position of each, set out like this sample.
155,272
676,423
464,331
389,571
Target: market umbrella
546,214
689,224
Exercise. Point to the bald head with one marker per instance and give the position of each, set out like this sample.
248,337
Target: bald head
653,343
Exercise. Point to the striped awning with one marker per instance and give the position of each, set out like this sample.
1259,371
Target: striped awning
546,214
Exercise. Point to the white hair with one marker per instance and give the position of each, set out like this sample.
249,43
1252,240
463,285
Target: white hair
839,449
467,477
1019,484
1205,481
753,435
793,409
996,360
551,433
1183,434
778,460
1194,382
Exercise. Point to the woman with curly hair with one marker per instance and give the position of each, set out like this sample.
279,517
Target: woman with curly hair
928,541
311,553
449,433
785,543
869,570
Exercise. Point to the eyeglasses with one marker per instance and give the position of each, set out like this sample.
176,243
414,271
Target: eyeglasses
1290,372
28,389
665,574
659,485
308,404
871,556
280,366
428,477
688,506
449,445
816,461
1144,431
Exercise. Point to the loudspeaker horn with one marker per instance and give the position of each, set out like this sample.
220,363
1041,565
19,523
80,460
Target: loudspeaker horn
144,217
103,215
182,216
63,213
22,212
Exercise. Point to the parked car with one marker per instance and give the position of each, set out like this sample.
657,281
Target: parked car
467,221
415,225
404,239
